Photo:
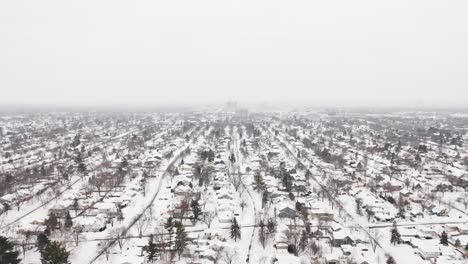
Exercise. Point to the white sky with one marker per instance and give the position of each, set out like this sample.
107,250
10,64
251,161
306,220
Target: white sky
343,52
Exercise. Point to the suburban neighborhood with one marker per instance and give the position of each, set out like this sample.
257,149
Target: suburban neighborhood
235,186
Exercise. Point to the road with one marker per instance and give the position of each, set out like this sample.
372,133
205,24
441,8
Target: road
125,230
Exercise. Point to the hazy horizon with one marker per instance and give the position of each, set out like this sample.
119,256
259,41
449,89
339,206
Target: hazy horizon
325,54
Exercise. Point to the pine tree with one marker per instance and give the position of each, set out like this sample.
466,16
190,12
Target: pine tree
358,206
196,210
76,140
78,158
395,235
8,255
81,167
68,221
180,239
466,247
262,233
232,158
42,241
235,230
151,249
120,216
271,226
124,163
457,243
169,226
304,241
52,222
54,253
390,260
259,183
75,206
444,239
287,181
265,197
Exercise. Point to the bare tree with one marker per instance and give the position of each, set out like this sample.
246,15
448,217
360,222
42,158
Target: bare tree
77,230
230,255
374,238
243,204
236,180
465,199
99,179
117,235
105,247
208,217
141,224
25,241
64,171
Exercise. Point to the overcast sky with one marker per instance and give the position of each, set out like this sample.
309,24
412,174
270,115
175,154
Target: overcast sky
334,52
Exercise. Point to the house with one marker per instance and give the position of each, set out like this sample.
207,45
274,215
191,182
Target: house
225,216
182,190
341,237
363,254
281,240
109,209
90,224
406,193
287,212
321,211
333,259
428,251
59,210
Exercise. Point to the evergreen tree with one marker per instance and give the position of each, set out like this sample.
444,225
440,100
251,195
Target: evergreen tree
76,140
78,158
444,239
304,241
124,163
457,243
287,181
151,249
265,197
232,158
43,170
120,216
358,206
271,226
75,205
259,183
54,253
196,210
180,238
81,167
169,226
262,233
42,241
395,235
8,255
52,222
68,221
235,230
466,247
390,260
